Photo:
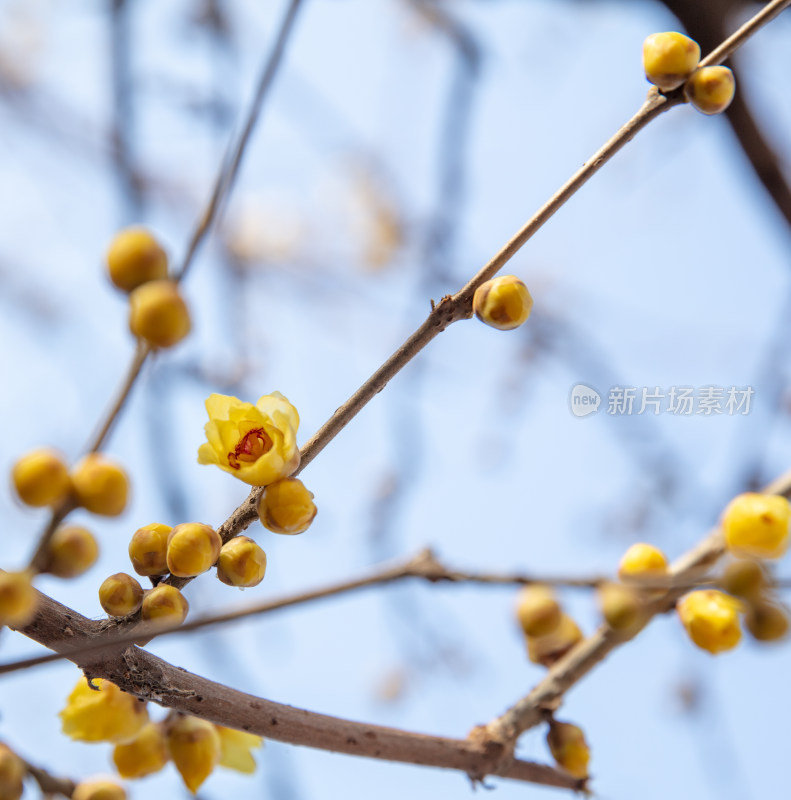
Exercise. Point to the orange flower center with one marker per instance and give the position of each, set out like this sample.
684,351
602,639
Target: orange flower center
251,447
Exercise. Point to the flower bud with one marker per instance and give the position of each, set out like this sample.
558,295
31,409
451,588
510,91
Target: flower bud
668,58
621,606
165,605
766,621
743,577
546,650
145,754
757,525
98,790
242,562
158,313
195,749
41,478
569,748
120,595
148,550
71,551
18,599
711,619
286,506
135,257
100,485
192,549
642,561
102,714
504,302
537,610
235,747
710,89
12,773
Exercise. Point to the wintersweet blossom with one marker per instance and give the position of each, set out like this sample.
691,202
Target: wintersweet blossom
102,714
255,443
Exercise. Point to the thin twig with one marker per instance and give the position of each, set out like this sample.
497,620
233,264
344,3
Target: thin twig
150,678
49,783
142,351
424,565
740,36
230,165
454,308
222,186
548,693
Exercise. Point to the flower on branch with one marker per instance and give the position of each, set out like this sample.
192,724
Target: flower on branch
255,443
103,714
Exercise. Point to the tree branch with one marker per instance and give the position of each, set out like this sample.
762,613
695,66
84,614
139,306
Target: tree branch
150,678
548,693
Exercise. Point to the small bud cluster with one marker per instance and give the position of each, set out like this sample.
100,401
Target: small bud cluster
42,478
549,633
137,264
671,59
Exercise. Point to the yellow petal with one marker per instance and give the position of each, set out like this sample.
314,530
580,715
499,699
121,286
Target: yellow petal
235,749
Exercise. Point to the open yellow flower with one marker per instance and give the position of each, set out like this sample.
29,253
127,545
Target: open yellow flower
106,715
255,443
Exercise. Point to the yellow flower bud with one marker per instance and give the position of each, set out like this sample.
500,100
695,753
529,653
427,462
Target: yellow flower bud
145,754
18,599
120,595
743,577
165,605
192,549
286,506
135,257
103,714
12,773
98,790
504,302
158,313
710,89
569,748
195,749
757,525
41,478
242,563
642,561
668,58
537,610
235,747
766,621
148,550
71,551
255,443
100,485
711,619
546,650
621,606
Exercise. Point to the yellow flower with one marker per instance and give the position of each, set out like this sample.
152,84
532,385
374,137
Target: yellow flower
235,747
711,619
255,443
106,715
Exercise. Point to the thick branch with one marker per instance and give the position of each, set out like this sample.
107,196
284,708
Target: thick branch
150,678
